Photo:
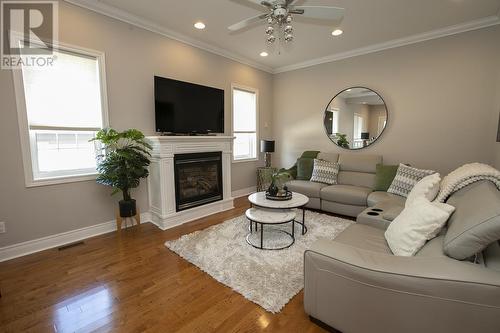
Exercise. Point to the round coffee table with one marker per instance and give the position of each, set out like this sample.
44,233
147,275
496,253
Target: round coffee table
264,216
298,201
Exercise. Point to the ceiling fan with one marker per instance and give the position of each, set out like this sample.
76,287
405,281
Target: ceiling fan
279,16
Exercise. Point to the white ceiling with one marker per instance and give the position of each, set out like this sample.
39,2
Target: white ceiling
369,25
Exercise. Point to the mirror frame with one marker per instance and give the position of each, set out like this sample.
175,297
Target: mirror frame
381,133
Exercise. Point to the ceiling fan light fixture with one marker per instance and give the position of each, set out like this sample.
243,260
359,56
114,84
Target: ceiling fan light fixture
199,25
279,15
337,32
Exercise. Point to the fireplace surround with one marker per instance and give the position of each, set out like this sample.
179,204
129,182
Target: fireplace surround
166,210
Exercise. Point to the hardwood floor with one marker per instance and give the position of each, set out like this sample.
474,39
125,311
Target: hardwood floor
130,282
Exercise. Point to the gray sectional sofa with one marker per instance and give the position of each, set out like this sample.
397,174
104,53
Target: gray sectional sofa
355,284
354,191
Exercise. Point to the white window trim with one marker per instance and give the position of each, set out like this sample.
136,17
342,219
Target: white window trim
257,124
22,116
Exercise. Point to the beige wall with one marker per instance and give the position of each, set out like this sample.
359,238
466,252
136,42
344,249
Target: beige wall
440,97
133,56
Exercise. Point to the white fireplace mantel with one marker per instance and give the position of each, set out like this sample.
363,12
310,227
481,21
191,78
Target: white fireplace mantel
161,181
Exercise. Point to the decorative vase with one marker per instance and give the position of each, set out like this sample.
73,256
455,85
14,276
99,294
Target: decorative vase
128,208
273,189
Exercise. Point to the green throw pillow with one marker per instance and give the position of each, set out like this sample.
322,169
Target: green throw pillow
384,176
304,168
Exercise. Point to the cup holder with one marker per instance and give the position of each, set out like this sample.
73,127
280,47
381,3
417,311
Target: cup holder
373,213
377,210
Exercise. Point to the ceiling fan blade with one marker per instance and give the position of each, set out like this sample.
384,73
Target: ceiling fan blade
321,12
261,2
290,2
248,22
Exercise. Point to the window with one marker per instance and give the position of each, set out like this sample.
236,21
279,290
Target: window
335,121
358,128
61,108
245,124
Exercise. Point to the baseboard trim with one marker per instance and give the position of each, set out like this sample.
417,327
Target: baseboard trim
68,237
243,192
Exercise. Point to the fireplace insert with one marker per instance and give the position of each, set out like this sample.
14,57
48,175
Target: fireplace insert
198,179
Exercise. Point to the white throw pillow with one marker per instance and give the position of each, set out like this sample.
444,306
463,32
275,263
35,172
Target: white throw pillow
419,222
427,187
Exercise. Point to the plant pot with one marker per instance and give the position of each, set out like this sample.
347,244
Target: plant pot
128,208
273,189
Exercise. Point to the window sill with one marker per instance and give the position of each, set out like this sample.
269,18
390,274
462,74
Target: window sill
246,160
60,180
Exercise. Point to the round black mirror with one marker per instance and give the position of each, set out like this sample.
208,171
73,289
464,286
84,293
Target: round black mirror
355,118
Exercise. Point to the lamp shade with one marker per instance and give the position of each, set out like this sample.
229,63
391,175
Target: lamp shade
267,146
365,135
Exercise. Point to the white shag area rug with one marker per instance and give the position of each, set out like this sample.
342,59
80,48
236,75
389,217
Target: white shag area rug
268,278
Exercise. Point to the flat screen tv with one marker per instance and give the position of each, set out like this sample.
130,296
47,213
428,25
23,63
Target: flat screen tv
187,108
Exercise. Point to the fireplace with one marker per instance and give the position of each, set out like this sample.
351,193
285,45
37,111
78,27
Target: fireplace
198,179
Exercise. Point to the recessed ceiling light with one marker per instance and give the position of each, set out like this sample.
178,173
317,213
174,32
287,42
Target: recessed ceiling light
199,25
337,32
264,54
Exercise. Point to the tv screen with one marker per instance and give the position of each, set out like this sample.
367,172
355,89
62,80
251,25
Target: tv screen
182,107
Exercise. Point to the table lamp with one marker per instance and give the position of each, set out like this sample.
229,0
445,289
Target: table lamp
267,147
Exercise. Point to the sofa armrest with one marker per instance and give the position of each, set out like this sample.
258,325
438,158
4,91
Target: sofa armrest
393,292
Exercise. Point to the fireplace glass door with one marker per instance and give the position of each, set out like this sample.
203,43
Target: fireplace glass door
198,179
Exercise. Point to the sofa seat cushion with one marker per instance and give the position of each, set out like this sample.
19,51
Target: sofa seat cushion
433,248
305,187
346,194
377,197
364,237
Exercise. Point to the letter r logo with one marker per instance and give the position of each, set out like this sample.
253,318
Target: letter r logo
28,27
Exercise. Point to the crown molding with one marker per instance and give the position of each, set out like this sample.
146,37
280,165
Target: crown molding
434,34
124,16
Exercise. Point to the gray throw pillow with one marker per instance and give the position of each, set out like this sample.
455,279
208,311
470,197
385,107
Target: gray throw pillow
475,224
325,172
406,178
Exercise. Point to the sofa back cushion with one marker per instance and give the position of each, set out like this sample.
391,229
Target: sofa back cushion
330,157
476,221
358,169
359,162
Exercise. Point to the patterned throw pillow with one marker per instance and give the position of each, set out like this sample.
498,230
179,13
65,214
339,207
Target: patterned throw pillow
325,172
406,178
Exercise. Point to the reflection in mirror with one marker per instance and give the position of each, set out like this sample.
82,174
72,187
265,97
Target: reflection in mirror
355,118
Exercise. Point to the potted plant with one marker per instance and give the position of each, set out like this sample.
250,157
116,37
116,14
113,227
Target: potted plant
277,180
342,140
122,162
